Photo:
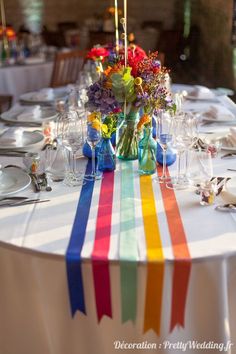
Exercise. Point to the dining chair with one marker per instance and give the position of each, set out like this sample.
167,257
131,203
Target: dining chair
5,102
66,67
161,57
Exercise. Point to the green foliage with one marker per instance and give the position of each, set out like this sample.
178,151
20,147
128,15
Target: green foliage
123,86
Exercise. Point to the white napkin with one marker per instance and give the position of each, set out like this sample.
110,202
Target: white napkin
45,94
29,114
230,139
201,92
218,112
13,136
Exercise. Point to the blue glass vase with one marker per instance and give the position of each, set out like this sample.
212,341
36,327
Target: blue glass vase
106,156
170,155
87,151
147,153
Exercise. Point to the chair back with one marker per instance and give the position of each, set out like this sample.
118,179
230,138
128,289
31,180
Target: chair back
5,102
66,67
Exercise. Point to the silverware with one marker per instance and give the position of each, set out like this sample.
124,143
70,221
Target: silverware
229,155
13,198
13,153
227,208
34,179
231,169
24,202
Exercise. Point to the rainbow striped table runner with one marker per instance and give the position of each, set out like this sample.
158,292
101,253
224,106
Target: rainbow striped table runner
129,218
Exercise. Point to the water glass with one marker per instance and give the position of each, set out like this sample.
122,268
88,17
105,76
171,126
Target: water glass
93,138
164,137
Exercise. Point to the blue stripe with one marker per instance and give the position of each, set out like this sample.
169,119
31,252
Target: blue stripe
73,253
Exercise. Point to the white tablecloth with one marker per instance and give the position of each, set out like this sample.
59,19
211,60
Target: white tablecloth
34,302
16,80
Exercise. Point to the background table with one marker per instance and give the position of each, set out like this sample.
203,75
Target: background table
19,79
34,301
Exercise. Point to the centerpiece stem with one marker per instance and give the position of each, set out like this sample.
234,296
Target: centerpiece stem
116,27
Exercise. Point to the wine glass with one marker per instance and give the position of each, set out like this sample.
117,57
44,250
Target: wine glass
72,139
164,137
183,137
93,138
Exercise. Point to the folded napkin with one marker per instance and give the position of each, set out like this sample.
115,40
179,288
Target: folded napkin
13,136
201,92
45,94
29,114
218,112
230,139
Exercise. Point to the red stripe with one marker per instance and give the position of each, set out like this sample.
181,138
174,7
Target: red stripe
100,261
182,262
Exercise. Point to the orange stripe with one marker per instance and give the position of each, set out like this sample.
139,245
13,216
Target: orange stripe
182,263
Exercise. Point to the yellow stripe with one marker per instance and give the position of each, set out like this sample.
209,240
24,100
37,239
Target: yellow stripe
155,257
151,227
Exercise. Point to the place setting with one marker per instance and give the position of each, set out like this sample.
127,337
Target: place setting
28,115
44,97
18,139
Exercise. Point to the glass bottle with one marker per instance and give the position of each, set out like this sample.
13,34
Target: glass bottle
147,153
106,156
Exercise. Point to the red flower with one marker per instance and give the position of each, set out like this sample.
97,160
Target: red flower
135,55
98,53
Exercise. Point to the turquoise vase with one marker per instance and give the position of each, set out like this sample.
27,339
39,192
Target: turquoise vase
106,156
127,142
147,153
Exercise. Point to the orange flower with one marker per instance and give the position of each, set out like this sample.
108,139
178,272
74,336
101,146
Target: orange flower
107,71
145,119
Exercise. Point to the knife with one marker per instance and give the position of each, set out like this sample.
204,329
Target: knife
24,202
227,207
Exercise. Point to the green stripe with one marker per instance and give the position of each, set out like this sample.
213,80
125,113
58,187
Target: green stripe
128,244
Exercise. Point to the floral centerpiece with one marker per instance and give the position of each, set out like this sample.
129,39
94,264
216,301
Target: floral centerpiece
138,86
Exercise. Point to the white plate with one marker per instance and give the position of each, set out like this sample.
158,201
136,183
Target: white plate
60,93
231,186
13,180
46,113
29,139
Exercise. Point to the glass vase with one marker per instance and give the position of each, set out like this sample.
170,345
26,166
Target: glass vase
147,153
127,141
170,155
106,156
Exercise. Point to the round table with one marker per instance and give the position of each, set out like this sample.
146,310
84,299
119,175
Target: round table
163,298
18,79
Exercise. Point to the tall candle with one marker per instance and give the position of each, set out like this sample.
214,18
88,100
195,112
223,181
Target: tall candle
125,31
116,27
3,17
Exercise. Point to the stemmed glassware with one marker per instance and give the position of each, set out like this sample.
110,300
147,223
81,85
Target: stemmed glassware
93,138
184,134
164,137
72,139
